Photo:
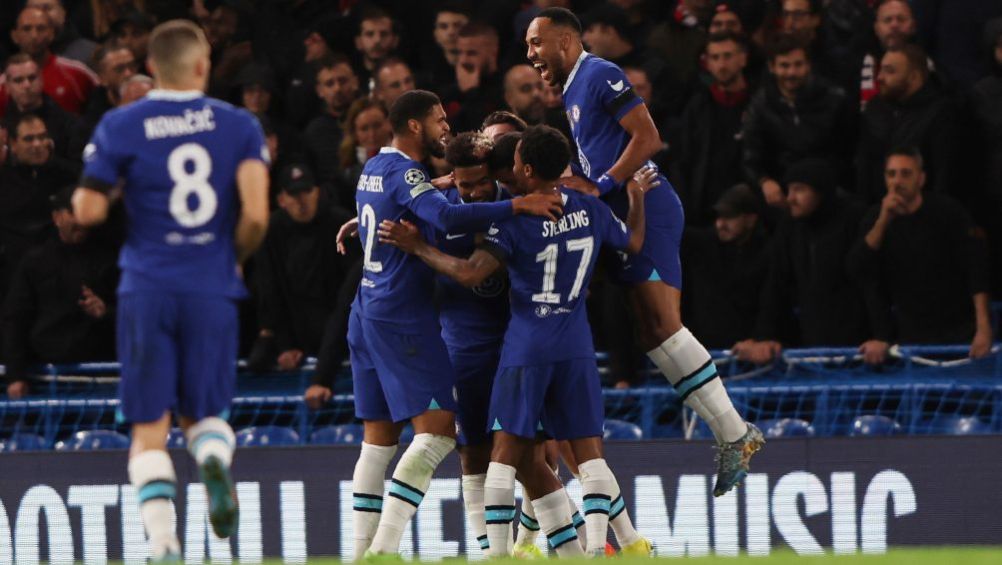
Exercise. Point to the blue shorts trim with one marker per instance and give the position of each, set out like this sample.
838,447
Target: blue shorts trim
659,258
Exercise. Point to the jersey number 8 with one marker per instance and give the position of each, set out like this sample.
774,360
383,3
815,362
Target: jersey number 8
187,183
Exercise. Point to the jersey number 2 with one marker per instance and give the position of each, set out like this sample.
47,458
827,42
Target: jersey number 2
548,257
187,183
368,221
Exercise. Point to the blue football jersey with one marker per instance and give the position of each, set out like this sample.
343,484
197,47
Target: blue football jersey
177,154
473,319
550,266
597,95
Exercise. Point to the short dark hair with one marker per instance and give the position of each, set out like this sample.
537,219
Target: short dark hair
103,50
916,56
18,59
906,151
786,43
476,28
546,150
561,17
389,62
609,15
453,7
503,155
504,117
469,149
722,36
370,12
411,105
14,127
331,61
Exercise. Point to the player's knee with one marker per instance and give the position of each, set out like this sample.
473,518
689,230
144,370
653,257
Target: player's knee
474,459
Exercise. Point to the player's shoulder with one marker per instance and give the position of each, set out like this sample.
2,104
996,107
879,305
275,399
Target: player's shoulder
594,65
235,113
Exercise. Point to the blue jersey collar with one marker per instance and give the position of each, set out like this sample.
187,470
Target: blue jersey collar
574,71
174,95
389,149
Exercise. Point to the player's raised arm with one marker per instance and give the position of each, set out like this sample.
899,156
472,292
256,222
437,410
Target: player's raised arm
644,180
467,272
252,185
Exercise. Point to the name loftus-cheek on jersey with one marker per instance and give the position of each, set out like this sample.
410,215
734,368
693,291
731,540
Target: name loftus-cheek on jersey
373,183
572,221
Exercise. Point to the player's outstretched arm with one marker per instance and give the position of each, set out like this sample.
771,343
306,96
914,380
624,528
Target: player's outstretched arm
90,207
467,272
252,184
635,191
645,141
433,208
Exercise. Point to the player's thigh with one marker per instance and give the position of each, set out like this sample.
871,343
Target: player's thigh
370,401
148,354
658,306
474,380
414,370
208,337
517,400
574,405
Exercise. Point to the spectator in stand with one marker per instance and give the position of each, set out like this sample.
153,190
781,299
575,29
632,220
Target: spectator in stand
26,95
367,130
60,307
725,19
28,178
986,104
94,18
795,115
726,269
393,77
523,93
230,50
298,272
133,89
257,85
115,64
68,82
133,31
337,88
68,41
501,122
375,40
740,17
808,272
679,39
301,102
893,27
708,149
802,19
439,58
927,263
477,90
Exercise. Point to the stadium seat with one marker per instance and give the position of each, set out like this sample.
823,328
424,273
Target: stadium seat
175,439
338,435
22,442
874,425
89,440
266,436
959,425
621,430
786,427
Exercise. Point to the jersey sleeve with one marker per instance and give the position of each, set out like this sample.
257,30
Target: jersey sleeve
614,91
613,231
498,241
104,159
255,147
412,189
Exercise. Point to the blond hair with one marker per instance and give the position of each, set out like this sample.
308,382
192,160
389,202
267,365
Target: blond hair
173,46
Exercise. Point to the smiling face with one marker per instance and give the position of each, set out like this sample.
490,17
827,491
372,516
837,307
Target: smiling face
548,50
434,130
474,183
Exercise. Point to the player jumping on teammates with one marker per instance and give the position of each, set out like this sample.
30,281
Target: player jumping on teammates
615,137
196,197
547,375
400,365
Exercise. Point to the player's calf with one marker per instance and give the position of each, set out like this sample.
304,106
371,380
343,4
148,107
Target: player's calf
152,475
367,492
211,442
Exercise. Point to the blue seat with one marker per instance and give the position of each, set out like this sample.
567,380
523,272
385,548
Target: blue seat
22,442
621,430
267,436
338,435
786,427
175,439
874,425
89,440
959,425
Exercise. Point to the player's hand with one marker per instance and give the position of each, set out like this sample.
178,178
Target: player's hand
549,206
580,184
18,390
644,180
316,396
91,304
349,229
773,194
892,206
402,235
982,344
467,78
874,351
289,360
444,182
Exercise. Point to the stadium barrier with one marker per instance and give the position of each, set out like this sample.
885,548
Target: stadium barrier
813,495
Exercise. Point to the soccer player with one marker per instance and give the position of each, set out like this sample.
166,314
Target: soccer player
547,375
400,365
195,187
615,137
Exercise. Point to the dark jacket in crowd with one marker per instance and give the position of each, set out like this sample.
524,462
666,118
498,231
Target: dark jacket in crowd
60,124
722,283
299,272
778,133
708,151
929,266
322,141
925,121
43,320
986,105
808,274
467,110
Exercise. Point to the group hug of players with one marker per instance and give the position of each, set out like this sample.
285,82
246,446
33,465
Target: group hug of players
470,314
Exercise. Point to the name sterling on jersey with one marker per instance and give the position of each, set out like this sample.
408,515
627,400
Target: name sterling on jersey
372,183
192,121
571,221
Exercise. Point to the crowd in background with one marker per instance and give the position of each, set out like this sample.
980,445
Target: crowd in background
840,161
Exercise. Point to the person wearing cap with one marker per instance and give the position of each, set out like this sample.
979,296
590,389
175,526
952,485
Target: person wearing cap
986,104
928,260
726,268
256,84
808,273
133,32
298,271
61,302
